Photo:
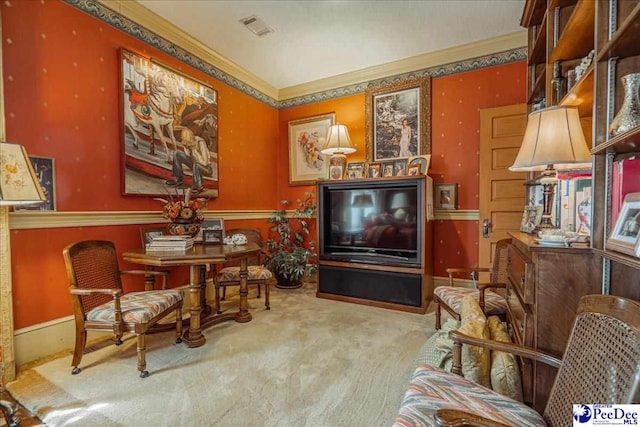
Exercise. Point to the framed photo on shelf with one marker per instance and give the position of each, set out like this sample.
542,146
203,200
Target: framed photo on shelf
446,196
216,224
148,233
400,167
306,138
355,170
422,161
397,119
335,172
531,218
43,167
373,171
387,169
625,236
413,170
212,237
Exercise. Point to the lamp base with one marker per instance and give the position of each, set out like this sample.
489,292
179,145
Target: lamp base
339,159
548,187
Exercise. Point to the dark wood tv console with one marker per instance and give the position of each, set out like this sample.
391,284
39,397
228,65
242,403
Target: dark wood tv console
406,288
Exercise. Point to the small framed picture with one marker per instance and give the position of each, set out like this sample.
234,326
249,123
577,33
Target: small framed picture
413,170
44,170
446,196
148,233
387,169
373,171
400,167
212,237
625,236
216,224
335,172
531,218
422,161
355,170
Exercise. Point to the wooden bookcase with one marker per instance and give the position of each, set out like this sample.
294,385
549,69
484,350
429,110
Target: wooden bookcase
561,34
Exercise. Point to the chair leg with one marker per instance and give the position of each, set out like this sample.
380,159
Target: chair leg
438,312
78,350
224,293
217,307
142,361
266,295
8,409
259,290
179,324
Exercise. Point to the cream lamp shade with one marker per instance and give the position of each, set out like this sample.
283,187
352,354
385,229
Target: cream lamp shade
552,140
338,145
553,137
18,182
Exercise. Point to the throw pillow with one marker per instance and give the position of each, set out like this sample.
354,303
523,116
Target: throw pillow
475,360
437,350
505,372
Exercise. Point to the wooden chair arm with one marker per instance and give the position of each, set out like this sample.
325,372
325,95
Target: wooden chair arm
483,286
456,418
113,292
459,338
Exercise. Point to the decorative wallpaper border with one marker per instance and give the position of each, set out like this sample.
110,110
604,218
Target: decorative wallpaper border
117,20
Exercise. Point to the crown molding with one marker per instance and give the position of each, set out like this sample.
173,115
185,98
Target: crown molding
151,21
503,43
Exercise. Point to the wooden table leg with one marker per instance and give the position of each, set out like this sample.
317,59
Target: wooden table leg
193,336
243,314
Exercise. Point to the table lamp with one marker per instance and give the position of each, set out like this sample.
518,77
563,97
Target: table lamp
553,140
18,186
338,145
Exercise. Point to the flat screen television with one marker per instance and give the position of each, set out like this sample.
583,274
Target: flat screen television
372,221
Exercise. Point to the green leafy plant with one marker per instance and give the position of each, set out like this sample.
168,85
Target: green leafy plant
289,248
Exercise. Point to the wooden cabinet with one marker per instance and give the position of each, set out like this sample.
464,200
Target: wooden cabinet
543,290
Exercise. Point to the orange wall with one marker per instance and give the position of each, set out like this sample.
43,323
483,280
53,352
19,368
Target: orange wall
62,97
61,90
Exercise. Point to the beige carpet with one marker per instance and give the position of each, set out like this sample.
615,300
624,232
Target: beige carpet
306,362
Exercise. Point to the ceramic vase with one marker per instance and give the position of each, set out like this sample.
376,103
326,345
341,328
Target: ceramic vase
629,115
184,227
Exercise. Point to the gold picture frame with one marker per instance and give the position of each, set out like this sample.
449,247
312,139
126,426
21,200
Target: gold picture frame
387,108
306,138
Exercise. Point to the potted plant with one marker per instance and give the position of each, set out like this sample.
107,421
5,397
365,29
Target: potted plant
289,249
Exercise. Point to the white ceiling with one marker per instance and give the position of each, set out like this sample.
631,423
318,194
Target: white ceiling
317,39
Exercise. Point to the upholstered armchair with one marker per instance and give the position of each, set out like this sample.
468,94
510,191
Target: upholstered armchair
100,304
492,303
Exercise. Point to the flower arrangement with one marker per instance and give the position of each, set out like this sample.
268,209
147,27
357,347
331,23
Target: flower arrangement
182,209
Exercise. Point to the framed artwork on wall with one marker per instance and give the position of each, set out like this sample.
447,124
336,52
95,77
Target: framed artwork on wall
625,236
306,138
397,120
446,196
169,129
44,170
531,218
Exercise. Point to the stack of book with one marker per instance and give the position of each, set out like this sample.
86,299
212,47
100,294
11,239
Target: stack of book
170,243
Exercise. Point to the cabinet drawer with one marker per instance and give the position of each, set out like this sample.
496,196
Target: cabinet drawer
520,318
521,274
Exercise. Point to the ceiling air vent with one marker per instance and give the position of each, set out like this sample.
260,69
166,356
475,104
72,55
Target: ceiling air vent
256,25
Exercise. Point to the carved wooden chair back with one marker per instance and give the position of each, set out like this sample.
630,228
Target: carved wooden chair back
99,302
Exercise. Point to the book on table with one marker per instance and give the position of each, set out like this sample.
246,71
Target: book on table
170,243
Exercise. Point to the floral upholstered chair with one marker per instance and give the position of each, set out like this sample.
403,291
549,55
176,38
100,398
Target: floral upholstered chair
492,303
100,304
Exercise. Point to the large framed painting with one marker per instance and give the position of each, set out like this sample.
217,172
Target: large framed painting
397,120
306,138
169,130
